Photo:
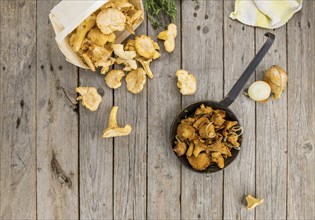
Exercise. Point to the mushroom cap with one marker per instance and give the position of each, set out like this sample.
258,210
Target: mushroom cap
199,163
185,131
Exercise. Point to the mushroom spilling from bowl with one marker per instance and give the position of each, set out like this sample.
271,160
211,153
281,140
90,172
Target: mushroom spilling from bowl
207,137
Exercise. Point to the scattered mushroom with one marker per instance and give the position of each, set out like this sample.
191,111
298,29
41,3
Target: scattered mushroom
113,78
277,79
90,97
136,80
146,66
125,57
252,202
146,47
113,130
186,82
259,91
169,36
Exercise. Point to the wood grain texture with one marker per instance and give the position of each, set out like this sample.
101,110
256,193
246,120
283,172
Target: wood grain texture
301,114
130,153
57,125
18,110
202,43
271,136
96,153
163,194
239,177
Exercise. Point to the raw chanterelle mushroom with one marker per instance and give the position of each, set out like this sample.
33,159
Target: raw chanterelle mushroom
89,96
113,130
113,78
169,36
186,82
252,202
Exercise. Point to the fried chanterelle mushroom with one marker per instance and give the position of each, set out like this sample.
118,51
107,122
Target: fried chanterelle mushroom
113,130
169,37
186,82
135,80
252,202
113,78
90,97
207,137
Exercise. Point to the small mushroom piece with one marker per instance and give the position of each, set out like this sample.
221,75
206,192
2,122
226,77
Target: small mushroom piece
97,37
133,17
146,47
199,147
113,130
207,131
180,148
110,20
120,52
99,53
218,159
105,64
88,61
136,80
233,140
185,132
130,45
146,66
113,78
228,125
277,79
125,57
78,36
169,36
199,163
190,149
202,110
200,122
188,121
186,83
218,117
252,202
90,97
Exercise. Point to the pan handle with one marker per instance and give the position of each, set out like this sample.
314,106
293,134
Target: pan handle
238,86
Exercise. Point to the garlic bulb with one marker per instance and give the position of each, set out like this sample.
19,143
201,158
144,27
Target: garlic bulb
277,79
259,91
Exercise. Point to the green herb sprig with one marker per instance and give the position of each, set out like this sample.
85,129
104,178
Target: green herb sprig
155,9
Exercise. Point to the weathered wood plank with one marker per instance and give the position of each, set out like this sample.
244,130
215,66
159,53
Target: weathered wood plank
57,125
301,114
18,110
239,177
130,152
271,136
202,53
96,153
163,194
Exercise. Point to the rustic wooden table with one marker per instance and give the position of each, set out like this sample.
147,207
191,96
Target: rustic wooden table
138,177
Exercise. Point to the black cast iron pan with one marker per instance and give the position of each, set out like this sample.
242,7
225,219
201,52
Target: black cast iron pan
224,105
